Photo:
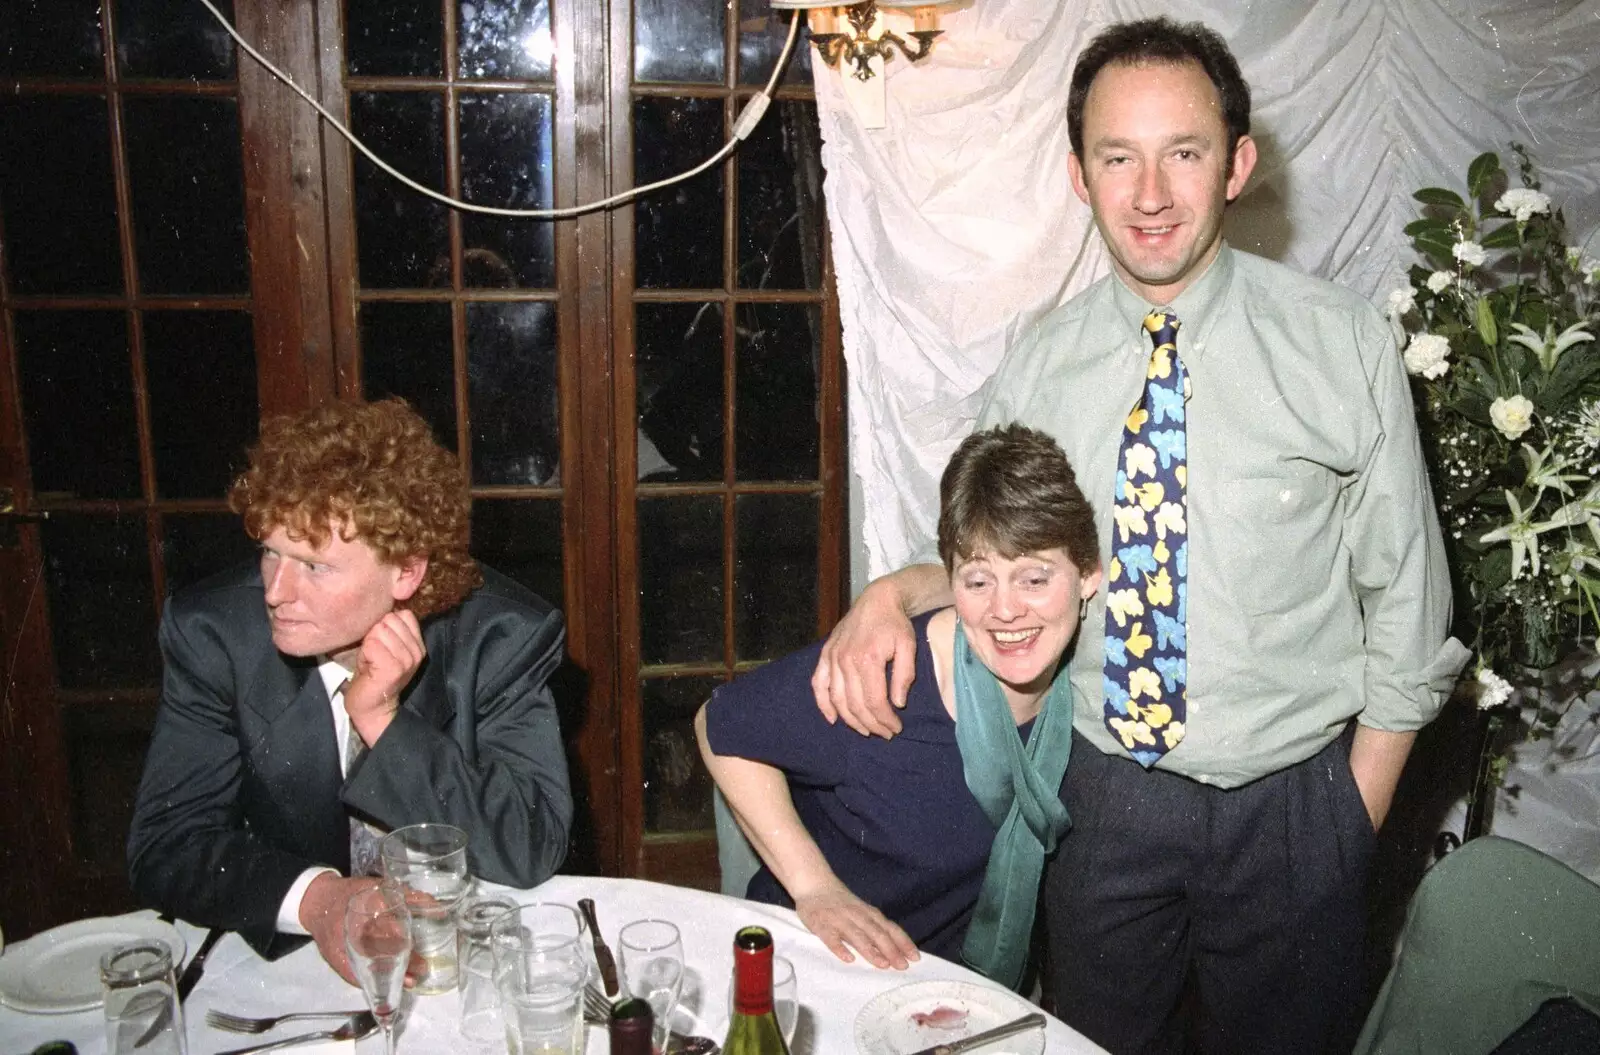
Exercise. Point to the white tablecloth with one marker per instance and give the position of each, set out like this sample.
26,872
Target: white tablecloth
832,993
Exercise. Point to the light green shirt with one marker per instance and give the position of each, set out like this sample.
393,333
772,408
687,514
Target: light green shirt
1317,587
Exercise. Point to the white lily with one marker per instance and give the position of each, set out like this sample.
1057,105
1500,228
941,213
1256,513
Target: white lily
1548,348
1573,561
1523,535
1549,477
1582,511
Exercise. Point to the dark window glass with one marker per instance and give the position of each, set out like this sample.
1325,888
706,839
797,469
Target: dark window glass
680,579
188,194
504,39
102,618
57,196
402,237
776,350
405,351
173,38
677,788
394,38
780,201
195,545
201,370
77,403
774,574
45,38
521,539
679,40
506,162
762,32
678,371
511,383
677,231
106,745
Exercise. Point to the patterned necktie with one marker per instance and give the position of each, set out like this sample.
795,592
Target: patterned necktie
363,836
1147,669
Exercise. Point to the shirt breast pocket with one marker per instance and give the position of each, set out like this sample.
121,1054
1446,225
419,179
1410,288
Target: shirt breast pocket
1280,539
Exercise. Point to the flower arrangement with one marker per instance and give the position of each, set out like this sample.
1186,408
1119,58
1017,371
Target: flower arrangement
1499,333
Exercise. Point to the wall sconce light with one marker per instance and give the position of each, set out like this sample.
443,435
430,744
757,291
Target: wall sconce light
855,34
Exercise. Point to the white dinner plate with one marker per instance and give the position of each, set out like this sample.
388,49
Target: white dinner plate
59,970
888,1026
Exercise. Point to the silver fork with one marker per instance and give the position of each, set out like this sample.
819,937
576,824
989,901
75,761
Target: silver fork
360,1026
596,1008
241,1024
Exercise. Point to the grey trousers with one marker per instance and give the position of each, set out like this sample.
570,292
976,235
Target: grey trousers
1183,917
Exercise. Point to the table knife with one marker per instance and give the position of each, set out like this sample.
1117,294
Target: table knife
197,964
988,1036
602,955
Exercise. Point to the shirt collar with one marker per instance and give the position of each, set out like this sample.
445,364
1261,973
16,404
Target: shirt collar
333,675
1197,307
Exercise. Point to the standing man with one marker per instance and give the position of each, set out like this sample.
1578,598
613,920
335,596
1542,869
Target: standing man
1276,608
365,674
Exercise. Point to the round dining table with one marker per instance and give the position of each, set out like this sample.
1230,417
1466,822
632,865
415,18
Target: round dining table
832,994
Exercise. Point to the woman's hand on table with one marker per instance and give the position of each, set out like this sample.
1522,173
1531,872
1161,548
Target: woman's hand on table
844,922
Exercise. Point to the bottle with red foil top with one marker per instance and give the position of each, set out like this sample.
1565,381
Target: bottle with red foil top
752,1027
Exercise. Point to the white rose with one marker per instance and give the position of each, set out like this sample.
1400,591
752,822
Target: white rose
1470,253
1401,301
1440,281
1523,202
1493,690
1512,415
1428,355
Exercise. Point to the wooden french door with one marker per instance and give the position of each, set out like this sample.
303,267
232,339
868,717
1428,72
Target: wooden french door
648,399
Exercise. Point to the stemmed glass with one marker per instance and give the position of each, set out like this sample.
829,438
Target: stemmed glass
652,970
377,936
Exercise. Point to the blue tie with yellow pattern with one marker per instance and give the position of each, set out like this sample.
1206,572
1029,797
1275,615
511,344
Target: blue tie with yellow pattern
1147,669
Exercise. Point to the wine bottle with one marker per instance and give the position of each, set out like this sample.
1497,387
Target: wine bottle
752,1027
630,1028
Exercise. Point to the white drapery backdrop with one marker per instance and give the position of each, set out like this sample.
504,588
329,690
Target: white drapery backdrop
955,227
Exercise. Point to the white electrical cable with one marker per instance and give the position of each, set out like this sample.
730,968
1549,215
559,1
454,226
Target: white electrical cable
746,122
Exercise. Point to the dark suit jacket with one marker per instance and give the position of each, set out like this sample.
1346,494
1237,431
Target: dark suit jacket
242,792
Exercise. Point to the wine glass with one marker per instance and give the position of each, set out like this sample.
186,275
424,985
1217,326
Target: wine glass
652,970
377,936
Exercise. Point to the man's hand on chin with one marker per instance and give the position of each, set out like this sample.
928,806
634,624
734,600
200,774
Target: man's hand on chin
390,654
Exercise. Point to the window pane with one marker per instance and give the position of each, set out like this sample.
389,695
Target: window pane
679,40
47,38
512,386
678,372
680,579
506,162
775,383
521,539
678,231
504,39
780,201
173,38
774,574
77,403
402,237
762,32
56,193
102,618
188,194
106,745
201,371
195,545
405,351
677,788
394,38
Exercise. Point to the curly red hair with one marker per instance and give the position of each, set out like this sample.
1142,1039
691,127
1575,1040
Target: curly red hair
376,470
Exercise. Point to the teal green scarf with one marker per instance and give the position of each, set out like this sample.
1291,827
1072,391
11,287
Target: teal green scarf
1018,786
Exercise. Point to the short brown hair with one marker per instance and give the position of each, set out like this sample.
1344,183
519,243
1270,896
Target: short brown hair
376,468
1010,490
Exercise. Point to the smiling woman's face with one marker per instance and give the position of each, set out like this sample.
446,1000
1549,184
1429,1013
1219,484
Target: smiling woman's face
1019,614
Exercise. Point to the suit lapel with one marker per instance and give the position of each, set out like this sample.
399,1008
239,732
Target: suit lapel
295,754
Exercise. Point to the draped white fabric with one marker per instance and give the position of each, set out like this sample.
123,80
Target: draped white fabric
955,226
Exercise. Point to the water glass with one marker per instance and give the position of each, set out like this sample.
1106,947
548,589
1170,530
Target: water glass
480,1004
541,1000
141,1000
785,997
537,926
652,969
430,860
